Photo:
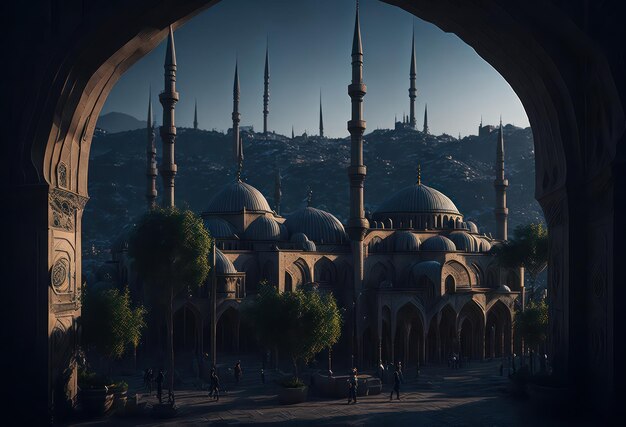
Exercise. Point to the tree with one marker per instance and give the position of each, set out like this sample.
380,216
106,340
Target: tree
109,322
529,249
299,323
170,251
532,324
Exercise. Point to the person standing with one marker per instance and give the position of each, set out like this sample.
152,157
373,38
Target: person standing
352,386
397,377
159,381
215,386
237,371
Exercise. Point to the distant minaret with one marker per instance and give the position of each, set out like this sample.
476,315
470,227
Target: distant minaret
151,166
357,224
195,116
266,89
236,144
500,184
412,89
278,193
425,119
292,134
169,98
321,118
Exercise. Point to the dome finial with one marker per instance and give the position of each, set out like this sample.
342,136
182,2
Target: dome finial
419,174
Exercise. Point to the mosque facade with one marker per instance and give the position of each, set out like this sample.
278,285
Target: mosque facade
415,281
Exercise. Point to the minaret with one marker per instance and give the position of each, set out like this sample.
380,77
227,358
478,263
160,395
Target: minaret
425,119
266,89
321,118
357,224
151,166
168,99
412,89
236,119
195,116
292,134
500,184
278,193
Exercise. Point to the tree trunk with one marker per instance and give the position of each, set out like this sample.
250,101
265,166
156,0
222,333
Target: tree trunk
170,340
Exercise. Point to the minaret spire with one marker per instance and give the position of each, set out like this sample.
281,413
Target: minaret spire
278,193
266,88
168,98
151,167
412,89
235,115
500,184
292,134
321,117
195,116
357,224
426,130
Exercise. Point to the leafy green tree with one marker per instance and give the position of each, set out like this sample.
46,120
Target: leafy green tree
532,324
170,251
529,249
109,322
300,323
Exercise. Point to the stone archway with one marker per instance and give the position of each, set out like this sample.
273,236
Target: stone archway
63,70
409,342
498,331
471,331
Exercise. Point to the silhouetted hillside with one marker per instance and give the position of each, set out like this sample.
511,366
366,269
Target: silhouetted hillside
463,170
119,122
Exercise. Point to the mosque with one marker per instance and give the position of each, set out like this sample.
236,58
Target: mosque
415,280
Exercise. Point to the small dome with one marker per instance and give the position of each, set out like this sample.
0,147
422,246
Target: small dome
223,264
236,196
319,226
472,227
265,228
299,238
417,198
219,228
309,246
405,241
485,246
438,243
503,289
430,269
463,241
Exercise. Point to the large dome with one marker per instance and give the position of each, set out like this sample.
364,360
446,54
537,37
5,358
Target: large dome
319,226
236,196
418,198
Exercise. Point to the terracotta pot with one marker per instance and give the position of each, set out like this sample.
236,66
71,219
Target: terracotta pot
289,396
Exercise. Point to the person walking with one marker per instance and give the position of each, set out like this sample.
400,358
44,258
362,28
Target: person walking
159,381
397,378
352,386
238,371
214,392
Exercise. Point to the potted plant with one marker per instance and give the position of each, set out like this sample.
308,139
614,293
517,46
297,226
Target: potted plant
94,395
307,320
119,390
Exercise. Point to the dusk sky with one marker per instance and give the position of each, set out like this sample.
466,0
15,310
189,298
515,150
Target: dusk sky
309,48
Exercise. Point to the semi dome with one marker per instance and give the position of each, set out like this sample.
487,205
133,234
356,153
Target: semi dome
418,198
463,241
430,269
223,264
309,246
472,227
265,228
219,228
405,241
318,225
303,242
485,246
299,238
438,243
236,196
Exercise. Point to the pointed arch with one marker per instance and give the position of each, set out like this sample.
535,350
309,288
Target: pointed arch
459,272
478,273
324,271
302,273
498,330
471,331
409,342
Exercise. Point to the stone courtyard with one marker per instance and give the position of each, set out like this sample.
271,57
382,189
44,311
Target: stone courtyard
470,396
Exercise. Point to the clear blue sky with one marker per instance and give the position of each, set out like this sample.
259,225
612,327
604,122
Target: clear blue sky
310,44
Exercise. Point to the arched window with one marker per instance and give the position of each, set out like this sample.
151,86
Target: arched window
450,285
